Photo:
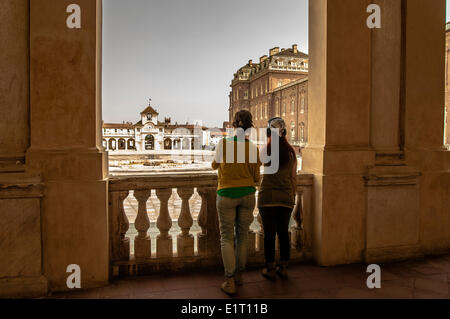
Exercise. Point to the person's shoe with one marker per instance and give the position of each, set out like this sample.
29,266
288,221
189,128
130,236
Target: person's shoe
238,279
282,270
228,286
269,272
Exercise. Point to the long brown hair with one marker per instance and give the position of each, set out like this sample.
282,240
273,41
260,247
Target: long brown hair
287,152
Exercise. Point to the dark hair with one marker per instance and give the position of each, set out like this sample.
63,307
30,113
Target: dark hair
243,119
287,152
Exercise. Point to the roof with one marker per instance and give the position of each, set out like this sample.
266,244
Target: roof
150,110
290,52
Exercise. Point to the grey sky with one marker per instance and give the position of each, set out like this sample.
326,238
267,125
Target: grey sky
183,53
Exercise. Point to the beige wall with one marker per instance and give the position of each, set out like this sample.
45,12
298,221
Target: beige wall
14,95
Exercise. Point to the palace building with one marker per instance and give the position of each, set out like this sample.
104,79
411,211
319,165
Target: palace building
150,134
276,86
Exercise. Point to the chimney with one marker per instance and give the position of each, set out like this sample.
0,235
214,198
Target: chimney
294,48
263,58
250,62
274,51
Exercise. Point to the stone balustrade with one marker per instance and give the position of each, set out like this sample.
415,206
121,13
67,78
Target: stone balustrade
206,252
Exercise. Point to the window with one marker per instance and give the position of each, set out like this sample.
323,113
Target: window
261,113
284,108
302,104
246,95
265,110
292,106
149,117
302,132
292,131
280,83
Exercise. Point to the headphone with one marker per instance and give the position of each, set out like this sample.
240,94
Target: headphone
269,131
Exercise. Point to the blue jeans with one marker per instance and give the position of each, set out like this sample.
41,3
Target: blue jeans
235,215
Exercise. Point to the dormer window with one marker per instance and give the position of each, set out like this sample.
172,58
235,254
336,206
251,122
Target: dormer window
149,116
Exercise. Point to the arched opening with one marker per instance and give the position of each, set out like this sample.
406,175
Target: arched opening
292,131
112,144
186,144
149,142
105,144
177,144
131,144
167,144
122,144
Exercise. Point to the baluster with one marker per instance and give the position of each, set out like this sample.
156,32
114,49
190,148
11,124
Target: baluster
124,225
164,245
202,220
185,240
142,245
212,228
296,230
120,245
260,235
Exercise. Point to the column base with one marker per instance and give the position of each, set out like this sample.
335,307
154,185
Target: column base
391,254
164,247
142,248
202,241
23,287
185,245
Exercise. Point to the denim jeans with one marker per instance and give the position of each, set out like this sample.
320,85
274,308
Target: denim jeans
235,216
276,222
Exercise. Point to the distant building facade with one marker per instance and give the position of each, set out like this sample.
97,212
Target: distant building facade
276,86
150,134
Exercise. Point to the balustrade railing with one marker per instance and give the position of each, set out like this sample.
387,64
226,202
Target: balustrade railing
166,253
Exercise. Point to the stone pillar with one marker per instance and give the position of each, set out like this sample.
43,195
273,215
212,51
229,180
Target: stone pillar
386,81
380,171
424,119
66,140
14,87
338,148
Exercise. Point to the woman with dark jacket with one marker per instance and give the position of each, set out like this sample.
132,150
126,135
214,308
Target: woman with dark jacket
276,199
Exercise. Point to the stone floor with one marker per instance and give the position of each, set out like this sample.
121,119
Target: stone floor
422,279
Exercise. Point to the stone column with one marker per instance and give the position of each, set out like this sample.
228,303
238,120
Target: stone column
373,98
66,140
14,87
338,149
424,119
386,81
